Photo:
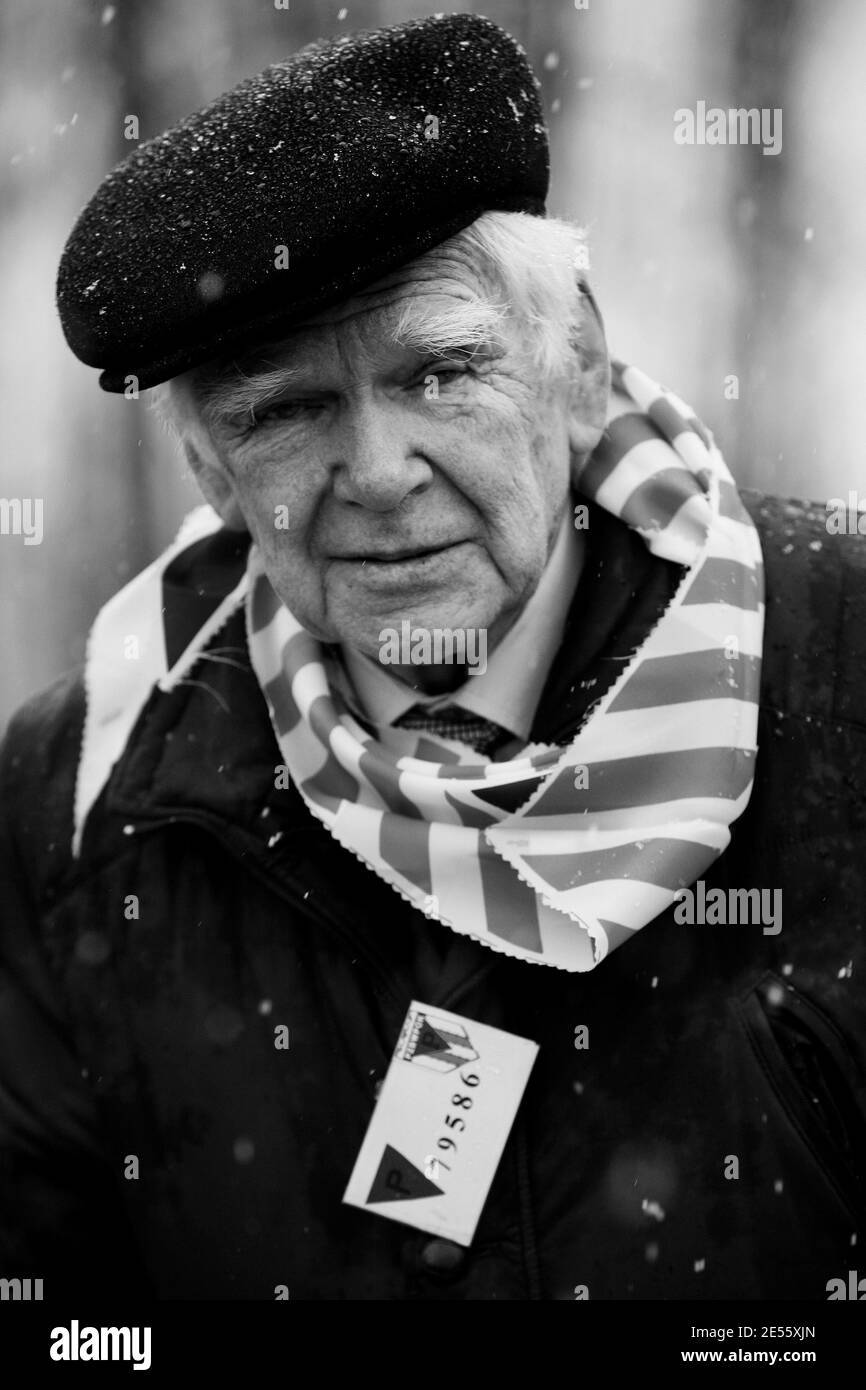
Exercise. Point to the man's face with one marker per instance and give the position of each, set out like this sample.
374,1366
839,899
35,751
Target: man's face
401,503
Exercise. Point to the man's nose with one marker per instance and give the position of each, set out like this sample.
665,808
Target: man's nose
378,464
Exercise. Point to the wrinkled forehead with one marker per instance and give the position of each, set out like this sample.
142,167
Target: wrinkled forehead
450,275
443,296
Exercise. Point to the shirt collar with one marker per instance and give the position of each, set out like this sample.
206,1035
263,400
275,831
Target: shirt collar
508,691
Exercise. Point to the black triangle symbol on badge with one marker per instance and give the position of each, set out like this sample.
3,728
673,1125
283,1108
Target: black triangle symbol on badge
398,1179
430,1041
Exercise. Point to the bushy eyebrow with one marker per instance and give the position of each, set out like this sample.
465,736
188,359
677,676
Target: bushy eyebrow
464,328
475,324
239,394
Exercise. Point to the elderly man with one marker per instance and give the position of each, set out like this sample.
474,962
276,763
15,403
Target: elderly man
444,758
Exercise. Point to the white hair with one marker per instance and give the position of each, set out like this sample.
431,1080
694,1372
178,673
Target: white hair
533,265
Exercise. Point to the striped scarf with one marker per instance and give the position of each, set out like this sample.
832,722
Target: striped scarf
562,853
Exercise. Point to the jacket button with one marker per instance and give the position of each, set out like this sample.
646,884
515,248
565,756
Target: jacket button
442,1256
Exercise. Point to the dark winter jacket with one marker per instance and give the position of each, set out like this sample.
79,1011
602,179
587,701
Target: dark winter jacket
709,1142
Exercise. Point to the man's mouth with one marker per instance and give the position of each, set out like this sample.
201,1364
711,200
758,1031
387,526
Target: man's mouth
397,556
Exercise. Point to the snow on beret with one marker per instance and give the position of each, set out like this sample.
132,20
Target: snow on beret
298,187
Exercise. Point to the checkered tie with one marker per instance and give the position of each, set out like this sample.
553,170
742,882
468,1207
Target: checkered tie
453,722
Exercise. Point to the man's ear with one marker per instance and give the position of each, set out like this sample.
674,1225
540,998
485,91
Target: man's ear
213,480
591,380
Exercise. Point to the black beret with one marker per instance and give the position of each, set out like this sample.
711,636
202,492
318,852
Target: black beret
353,156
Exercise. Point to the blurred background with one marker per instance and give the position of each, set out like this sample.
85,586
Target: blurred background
709,262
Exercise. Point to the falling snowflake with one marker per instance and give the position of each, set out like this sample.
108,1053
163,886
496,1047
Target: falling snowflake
92,948
210,286
653,1209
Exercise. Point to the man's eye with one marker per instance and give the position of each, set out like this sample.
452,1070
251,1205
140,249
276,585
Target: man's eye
444,371
280,410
